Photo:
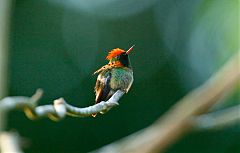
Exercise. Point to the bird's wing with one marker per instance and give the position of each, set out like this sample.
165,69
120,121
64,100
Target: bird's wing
102,87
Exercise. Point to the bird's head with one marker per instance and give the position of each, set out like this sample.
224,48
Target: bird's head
120,55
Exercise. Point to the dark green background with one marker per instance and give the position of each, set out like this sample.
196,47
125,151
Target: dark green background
56,45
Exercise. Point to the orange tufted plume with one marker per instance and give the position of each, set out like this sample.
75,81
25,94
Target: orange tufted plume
114,53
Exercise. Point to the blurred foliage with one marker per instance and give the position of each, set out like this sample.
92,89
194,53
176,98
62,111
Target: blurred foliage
57,45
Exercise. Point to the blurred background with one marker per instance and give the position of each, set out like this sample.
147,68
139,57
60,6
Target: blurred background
56,45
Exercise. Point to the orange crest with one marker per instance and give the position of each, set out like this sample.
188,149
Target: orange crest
114,53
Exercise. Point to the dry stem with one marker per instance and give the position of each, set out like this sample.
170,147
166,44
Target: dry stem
59,109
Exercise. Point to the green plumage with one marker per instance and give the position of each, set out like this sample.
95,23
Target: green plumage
122,78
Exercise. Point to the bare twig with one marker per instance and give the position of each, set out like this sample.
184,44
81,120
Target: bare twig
9,143
59,109
177,121
218,119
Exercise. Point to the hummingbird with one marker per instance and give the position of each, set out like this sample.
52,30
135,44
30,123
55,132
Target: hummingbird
116,75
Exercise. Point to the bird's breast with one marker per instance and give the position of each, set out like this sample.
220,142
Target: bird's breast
122,78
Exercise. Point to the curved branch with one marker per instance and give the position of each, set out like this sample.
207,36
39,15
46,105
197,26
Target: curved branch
59,109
